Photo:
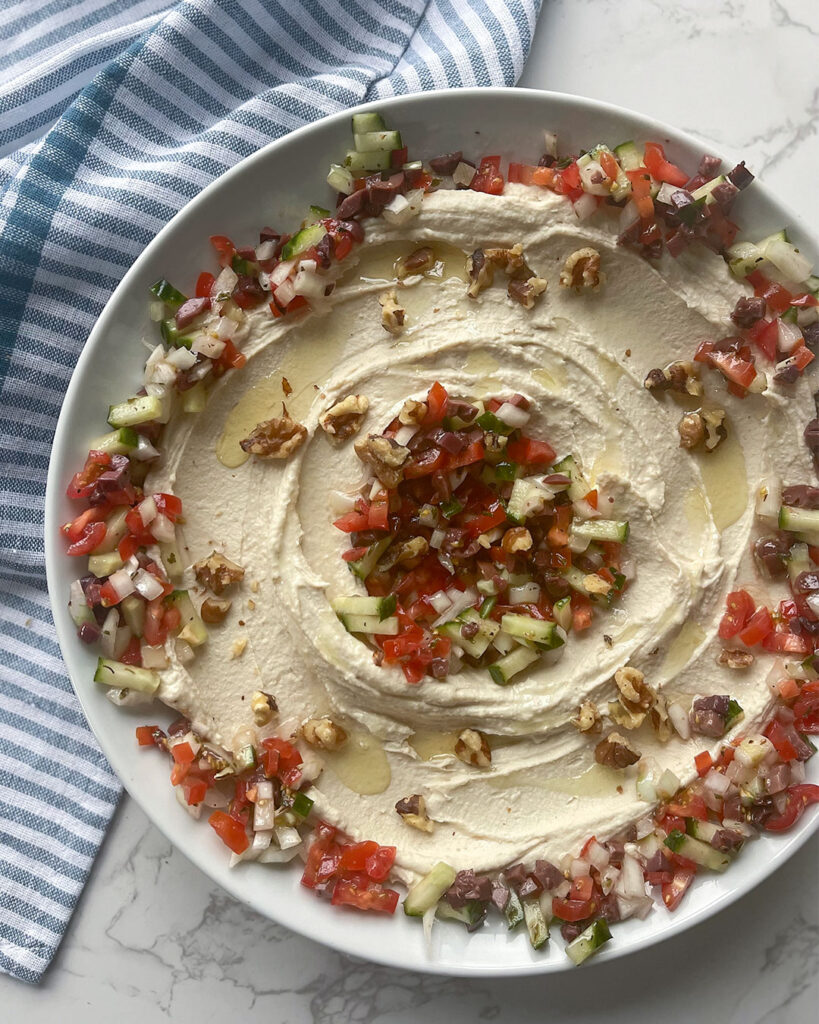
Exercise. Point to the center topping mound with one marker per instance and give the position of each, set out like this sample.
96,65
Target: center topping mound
474,541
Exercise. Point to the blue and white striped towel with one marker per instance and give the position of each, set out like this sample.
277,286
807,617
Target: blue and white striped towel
113,114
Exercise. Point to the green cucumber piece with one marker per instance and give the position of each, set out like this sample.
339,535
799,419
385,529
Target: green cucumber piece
360,164
579,486
367,122
363,566
470,914
193,630
172,559
118,442
528,496
115,530
311,235
514,910
602,529
511,664
245,759
797,561
103,563
133,611
172,335
799,520
540,632
489,421
588,941
370,624
701,853
574,577
380,607
476,645
377,142
536,923
563,613
340,179
165,292
429,890
629,156
126,677
743,257
136,410
704,191
302,804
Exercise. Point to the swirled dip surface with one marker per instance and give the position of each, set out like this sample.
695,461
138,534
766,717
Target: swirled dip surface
581,359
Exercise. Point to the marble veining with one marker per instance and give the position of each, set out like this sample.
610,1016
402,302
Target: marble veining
154,940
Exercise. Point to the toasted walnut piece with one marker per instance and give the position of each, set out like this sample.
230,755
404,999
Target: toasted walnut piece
214,610
527,292
635,693
512,261
596,584
238,647
582,270
412,413
275,439
472,748
715,429
264,706
217,572
660,722
393,314
385,457
413,812
615,751
323,733
407,553
735,659
691,429
417,262
680,376
345,418
480,272
626,718
515,539
587,718
494,447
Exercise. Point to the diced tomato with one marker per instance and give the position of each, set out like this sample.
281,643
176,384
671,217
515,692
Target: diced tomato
784,642
280,756
472,453
231,358
128,546
739,607
353,554
352,522
75,529
495,516
799,797
231,832
806,709
673,823
195,790
379,863
169,505
148,735
132,655
581,612
591,498
726,756
544,176
535,453
82,483
788,610
804,301
765,335
354,857
703,762
609,165
364,894
572,910
571,175
182,753
398,157
788,689
523,174
758,627
154,632
488,178
582,888
802,357
225,249
778,735
641,193
689,805
204,284
735,369
674,890
92,536
660,168
437,398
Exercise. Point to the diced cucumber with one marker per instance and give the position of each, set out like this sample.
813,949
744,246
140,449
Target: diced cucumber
133,611
429,890
103,563
704,191
476,645
367,163
535,923
311,235
489,421
195,399
799,520
118,442
540,632
193,630
245,758
380,607
629,156
588,941
172,559
363,566
377,142
317,213
528,496
488,587
511,664
370,624
173,336
602,529
340,179
699,852
470,914
702,830
579,487
797,561
115,530
126,677
563,613
165,292
368,122
743,257
133,411
514,910
574,577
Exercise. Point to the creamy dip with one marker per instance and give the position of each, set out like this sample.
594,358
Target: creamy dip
581,359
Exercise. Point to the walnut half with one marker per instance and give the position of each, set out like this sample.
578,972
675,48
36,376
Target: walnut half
472,748
587,718
581,270
217,572
393,314
275,439
680,376
615,751
735,659
324,734
413,812
385,457
344,419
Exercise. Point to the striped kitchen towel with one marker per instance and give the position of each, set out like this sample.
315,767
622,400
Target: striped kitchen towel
113,114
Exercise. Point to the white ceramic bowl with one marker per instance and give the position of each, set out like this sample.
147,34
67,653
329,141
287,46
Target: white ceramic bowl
274,186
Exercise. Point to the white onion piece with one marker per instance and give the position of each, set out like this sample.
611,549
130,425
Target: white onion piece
585,510
460,602
528,593
160,373
215,798
788,259
144,450
579,868
513,415
261,841
404,434
440,602
308,266
266,250
226,329
398,210
122,583
147,510
341,502
108,638
790,335
264,790
285,293
805,317
276,856
209,346
287,837
121,641
588,172
147,584
629,215
77,603
647,791
185,654
182,358
153,657
307,283
437,539
631,882
769,499
667,784
224,284
280,273
128,698
163,529
550,144
716,782
679,719
812,601
376,489
645,826
585,206
194,810
463,174
264,815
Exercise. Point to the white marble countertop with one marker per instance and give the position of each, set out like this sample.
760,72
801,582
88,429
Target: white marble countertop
153,939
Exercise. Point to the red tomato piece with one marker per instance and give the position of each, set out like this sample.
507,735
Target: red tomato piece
765,335
182,753
784,642
798,799
572,910
437,398
92,536
674,890
758,627
225,249
739,607
364,894
536,453
802,357
169,505
82,483
231,832
703,762
148,735
354,857
154,632
582,888
488,178
378,518
204,284
194,790
352,522
523,174
581,612
778,735
380,862
733,367
609,165
132,655
660,168
472,453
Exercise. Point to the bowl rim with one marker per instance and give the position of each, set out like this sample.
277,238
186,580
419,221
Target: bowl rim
392,954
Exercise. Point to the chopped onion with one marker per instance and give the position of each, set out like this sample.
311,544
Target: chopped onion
645,826
598,855
77,603
261,841
266,250
285,293
147,584
215,798
341,502
185,654
224,284
805,317
153,657
306,283
276,856
585,206
579,868
182,358
513,415
287,837
122,583
588,172
226,330
631,882
121,641
209,346
461,600
109,633
647,791
789,336
667,784
163,529
788,259
716,782
398,210
128,698
769,499
679,719
264,815
437,539
440,601
144,450
528,593
194,810
463,174
264,790
404,434
550,144
812,601
280,273
585,510
629,216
